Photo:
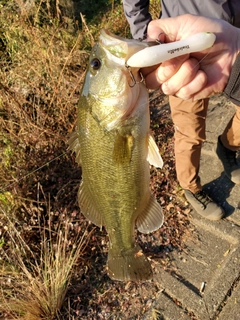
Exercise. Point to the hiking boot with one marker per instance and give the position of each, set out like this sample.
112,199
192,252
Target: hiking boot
229,161
204,205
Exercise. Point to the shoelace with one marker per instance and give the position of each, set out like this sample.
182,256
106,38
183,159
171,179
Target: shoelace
202,197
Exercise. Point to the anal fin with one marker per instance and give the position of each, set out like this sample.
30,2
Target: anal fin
151,218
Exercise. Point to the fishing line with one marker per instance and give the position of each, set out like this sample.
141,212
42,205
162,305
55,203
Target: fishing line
32,172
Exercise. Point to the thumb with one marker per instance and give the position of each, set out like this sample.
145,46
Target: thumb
162,30
155,31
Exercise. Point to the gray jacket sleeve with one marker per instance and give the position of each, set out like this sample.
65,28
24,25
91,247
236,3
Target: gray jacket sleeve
232,89
138,17
228,10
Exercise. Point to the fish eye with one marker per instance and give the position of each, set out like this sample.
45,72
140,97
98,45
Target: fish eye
95,64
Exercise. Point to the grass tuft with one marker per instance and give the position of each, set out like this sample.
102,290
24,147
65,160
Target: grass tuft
51,266
35,283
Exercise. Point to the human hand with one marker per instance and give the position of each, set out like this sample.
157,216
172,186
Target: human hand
201,74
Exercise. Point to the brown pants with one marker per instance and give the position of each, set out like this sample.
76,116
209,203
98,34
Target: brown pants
189,119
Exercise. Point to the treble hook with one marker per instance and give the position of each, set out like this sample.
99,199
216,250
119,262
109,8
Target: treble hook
134,82
131,85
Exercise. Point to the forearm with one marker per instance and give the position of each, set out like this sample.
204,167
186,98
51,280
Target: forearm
138,17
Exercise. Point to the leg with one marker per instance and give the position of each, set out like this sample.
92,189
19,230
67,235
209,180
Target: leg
228,144
230,138
189,119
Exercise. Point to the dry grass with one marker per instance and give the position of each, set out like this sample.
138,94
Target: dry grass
35,283
40,81
43,237
41,71
43,56
42,66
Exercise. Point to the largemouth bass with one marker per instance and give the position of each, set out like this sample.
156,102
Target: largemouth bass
114,147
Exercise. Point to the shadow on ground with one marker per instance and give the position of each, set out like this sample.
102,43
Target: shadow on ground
219,190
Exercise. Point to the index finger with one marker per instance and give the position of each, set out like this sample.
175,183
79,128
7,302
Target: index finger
155,76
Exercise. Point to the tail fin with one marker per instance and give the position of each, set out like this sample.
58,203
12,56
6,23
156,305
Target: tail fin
129,265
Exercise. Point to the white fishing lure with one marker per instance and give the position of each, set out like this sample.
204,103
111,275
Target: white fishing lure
151,56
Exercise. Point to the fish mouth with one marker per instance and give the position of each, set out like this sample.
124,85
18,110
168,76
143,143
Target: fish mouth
120,47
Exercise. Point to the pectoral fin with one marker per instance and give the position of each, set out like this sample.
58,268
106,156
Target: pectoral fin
87,206
151,218
123,146
154,156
